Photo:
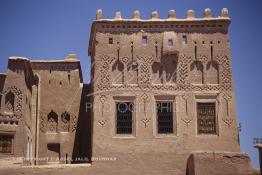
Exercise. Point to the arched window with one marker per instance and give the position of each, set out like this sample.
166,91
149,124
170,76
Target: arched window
132,73
52,122
170,67
196,72
65,122
156,73
118,73
10,101
212,73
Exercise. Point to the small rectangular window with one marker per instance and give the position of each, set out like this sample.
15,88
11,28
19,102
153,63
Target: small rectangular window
144,40
170,43
184,39
6,143
206,118
165,117
124,116
110,40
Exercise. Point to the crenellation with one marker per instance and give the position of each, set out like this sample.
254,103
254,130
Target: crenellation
190,14
171,14
99,14
207,13
136,15
118,15
224,13
154,15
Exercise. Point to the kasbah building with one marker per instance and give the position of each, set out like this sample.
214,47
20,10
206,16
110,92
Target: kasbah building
161,101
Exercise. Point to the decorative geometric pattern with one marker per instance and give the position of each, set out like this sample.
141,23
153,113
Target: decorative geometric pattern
182,84
228,121
18,97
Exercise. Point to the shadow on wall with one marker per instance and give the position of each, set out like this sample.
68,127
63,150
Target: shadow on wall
82,151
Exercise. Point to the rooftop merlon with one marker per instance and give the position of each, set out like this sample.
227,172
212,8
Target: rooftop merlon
207,14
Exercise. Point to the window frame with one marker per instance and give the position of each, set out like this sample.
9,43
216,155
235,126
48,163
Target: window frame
124,99
12,142
165,98
157,120
207,99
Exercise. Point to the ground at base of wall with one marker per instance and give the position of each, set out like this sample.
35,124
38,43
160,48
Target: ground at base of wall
69,170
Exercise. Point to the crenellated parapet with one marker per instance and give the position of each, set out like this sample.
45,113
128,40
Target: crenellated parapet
207,14
207,24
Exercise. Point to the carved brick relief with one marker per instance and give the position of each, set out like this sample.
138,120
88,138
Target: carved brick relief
13,99
74,123
187,72
52,123
187,119
42,122
65,122
183,63
212,73
103,99
196,73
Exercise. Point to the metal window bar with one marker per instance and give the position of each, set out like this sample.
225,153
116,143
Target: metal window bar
165,117
124,117
206,118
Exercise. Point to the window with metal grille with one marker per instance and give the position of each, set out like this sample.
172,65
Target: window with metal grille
165,117
206,118
6,143
124,117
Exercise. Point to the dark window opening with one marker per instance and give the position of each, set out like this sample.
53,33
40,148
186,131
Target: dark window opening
170,43
124,117
206,118
184,39
53,151
110,40
6,141
165,117
144,40
69,76
211,52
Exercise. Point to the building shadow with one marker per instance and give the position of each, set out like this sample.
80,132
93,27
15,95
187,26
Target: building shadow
82,151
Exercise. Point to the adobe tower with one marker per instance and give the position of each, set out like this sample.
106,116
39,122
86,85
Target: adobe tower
165,93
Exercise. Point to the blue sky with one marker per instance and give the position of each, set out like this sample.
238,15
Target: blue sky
51,29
